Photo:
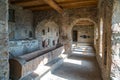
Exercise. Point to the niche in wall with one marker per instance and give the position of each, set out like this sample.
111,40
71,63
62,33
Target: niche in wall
43,32
48,41
43,44
11,15
58,41
30,34
56,33
53,42
48,29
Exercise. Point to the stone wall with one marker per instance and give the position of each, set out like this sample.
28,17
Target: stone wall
47,32
22,27
115,38
66,21
21,32
18,48
4,56
104,37
85,34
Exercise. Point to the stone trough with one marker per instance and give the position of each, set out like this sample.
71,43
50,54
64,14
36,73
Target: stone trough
24,65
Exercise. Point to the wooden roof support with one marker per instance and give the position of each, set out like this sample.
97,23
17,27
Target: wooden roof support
27,3
37,5
19,1
53,4
65,5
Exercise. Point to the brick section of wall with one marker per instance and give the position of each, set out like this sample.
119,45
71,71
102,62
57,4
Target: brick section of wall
115,68
4,65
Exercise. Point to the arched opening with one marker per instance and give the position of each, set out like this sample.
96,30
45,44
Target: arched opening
84,32
47,32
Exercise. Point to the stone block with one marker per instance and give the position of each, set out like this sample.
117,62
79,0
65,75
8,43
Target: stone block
3,28
3,11
3,36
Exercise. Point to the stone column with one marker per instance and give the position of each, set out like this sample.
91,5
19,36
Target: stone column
4,57
66,33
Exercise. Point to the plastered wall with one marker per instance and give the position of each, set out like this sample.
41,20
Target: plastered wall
85,34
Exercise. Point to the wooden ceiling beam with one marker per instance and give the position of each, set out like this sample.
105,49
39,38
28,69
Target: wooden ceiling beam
19,1
54,5
80,4
36,5
29,3
65,5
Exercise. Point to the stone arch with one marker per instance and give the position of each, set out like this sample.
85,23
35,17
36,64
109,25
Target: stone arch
69,32
46,32
80,19
89,19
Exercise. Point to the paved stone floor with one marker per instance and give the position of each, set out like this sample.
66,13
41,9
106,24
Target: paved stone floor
81,65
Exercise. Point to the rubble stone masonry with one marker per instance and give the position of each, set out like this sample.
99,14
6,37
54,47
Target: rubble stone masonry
4,65
115,38
66,21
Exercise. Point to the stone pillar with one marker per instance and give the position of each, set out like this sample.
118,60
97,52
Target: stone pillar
115,68
4,57
66,38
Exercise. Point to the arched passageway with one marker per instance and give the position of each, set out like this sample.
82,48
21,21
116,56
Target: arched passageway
81,64
83,34
84,31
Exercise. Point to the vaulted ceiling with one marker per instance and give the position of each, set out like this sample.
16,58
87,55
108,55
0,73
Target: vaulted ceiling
58,5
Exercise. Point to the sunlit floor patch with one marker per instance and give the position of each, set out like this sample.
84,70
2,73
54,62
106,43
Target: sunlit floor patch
78,66
78,62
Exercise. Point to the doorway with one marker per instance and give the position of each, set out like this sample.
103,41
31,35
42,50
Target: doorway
74,35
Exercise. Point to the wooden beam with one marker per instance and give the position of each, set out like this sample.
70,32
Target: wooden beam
19,1
53,4
89,3
27,3
40,8
80,4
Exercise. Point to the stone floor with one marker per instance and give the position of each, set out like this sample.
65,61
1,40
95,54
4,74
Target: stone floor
81,65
